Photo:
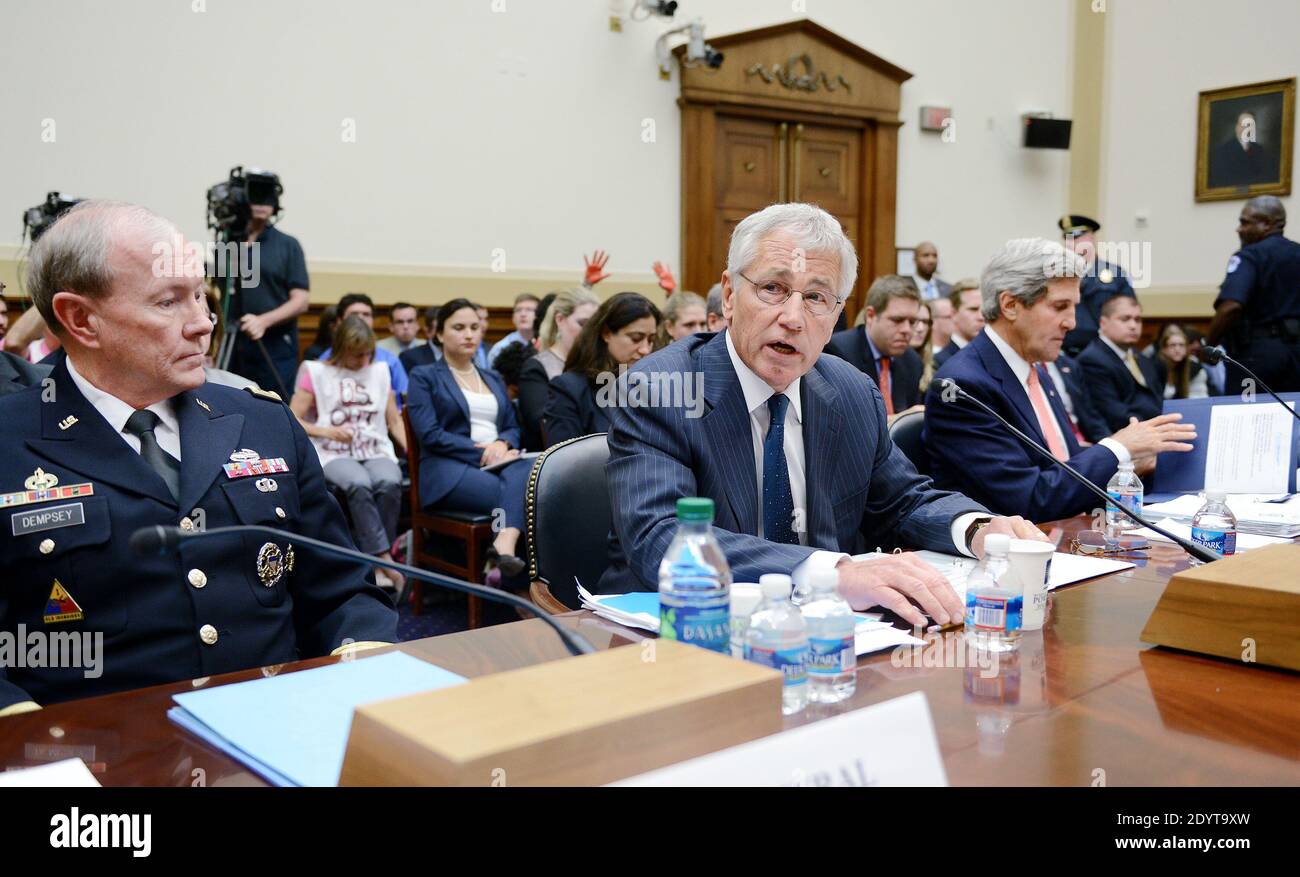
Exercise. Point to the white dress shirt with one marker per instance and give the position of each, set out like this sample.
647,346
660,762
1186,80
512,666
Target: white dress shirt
1020,369
757,392
116,412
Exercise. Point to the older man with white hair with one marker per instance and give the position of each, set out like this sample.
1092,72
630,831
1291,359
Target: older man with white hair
126,435
792,447
1029,289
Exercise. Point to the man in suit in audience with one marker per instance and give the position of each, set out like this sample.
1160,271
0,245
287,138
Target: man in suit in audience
880,348
790,445
967,318
940,324
930,286
1123,382
1030,290
1070,384
428,352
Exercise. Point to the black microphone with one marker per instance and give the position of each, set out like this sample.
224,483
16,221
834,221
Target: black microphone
1202,554
159,541
1216,355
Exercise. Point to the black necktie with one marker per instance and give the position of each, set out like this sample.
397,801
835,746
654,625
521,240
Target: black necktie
778,501
141,424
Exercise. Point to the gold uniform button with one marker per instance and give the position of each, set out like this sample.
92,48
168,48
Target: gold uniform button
187,524
46,546
198,579
208,634
279,512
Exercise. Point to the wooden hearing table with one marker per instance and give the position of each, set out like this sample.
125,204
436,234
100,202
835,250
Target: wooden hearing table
1085,702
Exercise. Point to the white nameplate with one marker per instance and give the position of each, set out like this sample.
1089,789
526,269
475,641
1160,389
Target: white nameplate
888,744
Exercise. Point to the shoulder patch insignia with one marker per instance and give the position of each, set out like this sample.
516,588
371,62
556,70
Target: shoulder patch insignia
265,394
1234,263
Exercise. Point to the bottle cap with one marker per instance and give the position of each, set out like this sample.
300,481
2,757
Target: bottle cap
695,508
1215,496
827,579
997,543
775,586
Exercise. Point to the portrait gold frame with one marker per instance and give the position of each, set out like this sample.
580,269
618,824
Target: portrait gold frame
1227,193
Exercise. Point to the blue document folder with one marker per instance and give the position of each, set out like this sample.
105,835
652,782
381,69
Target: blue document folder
292,730
1179,473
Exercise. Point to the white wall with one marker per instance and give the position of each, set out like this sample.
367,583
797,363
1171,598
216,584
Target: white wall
477,130
1160,54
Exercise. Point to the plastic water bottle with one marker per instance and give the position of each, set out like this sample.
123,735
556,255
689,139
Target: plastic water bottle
1125,489
992,609
777,638
1215,526
695,582
832,655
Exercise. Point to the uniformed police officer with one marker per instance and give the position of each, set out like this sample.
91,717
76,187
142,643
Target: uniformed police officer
1257,313
1101,282
127,436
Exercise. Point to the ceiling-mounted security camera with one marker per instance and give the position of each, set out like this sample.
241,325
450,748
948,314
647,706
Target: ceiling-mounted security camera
697,50
644,9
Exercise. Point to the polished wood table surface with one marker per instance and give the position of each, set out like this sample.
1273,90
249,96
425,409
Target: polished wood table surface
1085,702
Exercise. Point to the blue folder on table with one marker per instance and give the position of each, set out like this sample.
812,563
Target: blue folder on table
292,730
1179,473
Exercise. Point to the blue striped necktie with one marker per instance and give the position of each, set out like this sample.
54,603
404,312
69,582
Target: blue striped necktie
778,502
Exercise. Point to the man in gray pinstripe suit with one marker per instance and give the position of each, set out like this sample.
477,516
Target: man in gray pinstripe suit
792,447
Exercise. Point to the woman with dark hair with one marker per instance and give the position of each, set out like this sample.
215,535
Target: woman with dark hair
1186,379
347,406
921,344
324,333
465,421
621,332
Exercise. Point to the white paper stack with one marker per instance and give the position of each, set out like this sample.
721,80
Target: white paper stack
1257,513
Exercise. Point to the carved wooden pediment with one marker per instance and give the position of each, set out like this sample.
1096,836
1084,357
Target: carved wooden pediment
797,65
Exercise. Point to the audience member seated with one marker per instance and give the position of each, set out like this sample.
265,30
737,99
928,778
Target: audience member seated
1029,289
358,304
329,318
685,314
219,375
920,343
403,323
881,347
481,355
464,420
1184,379
941,328
1123,383
793,449
510,363
1216,376
428,352
967,318
561,324
523,316
621,333
347,405
713,308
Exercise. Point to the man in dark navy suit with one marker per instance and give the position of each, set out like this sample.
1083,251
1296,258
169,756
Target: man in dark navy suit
791,446
881,346
967,319
428,352
1123,383
127,435
1030,290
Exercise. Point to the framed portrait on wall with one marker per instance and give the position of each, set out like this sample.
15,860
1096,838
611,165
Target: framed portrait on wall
1244,141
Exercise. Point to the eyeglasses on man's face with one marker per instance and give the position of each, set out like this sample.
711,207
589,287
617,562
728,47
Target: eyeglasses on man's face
815,301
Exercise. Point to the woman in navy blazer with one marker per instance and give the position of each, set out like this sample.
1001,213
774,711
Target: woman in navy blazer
621,332
464,420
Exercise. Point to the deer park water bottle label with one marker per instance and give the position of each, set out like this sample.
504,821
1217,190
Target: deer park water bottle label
1215,540
830,657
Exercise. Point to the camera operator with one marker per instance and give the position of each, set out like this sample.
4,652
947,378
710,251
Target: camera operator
268,310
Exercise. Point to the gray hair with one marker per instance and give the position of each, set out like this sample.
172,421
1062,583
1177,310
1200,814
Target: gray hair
713,305
813,230
1023,268
73,254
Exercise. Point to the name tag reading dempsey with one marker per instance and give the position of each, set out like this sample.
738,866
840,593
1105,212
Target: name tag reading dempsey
49,518
889,744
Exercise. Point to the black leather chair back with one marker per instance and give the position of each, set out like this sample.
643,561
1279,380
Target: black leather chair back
906,433
569,516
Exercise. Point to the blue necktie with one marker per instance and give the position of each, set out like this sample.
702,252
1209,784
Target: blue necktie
778,502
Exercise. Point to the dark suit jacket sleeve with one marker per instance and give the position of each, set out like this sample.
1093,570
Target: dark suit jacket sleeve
994,466
332,600
534,388
649,469
907,384
566,415
427,424
1105,387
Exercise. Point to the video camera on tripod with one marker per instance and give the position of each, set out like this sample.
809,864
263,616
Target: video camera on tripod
38,219
230,202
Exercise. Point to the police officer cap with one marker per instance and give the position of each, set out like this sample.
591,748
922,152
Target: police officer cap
1073,225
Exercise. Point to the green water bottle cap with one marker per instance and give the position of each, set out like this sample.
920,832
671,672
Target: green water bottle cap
695,508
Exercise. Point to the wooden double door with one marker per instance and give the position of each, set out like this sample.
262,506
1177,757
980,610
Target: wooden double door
761,161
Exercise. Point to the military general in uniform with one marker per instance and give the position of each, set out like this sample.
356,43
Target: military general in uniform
126,435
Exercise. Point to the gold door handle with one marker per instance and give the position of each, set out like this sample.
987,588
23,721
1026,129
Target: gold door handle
825,172
749,167
798,135
782,132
